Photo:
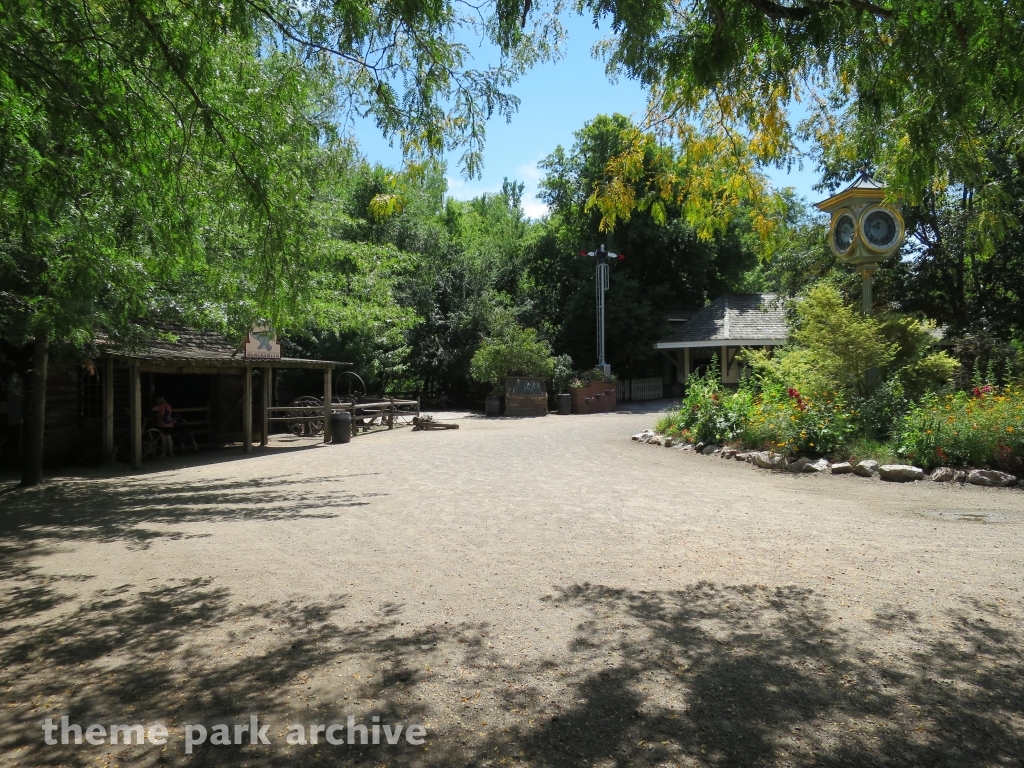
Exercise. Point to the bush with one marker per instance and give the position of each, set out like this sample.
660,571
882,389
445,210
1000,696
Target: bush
984,427
510,350
788,421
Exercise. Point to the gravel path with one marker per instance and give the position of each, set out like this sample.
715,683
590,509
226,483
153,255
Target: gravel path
534,592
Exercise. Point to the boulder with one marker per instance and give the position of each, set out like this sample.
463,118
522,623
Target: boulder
842,468
866,468
990,477
643,437
900,473
742,456
942,475
804,464
960,477
698,447
727,453
686,447
668,442
709,449
767,460
797,465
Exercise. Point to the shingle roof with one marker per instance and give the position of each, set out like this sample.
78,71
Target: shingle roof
744,318
192,345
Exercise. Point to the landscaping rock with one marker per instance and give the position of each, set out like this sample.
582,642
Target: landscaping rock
797,465
991,477
646,436
842,468
866,468
960,477
727,453
942,475
804,464
900,473
742,456
668,442
709,449
698,447
686,447
767,460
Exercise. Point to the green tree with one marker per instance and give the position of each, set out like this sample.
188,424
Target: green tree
668,265
158,154
909,86
510,350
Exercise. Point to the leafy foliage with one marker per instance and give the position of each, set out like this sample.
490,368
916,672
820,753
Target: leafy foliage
510,350
981,428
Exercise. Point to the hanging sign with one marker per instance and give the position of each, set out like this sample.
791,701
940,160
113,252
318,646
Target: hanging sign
262,344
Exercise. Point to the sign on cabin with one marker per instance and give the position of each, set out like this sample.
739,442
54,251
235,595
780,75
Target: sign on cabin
262,344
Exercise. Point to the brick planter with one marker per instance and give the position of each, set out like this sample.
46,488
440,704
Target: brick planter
599,397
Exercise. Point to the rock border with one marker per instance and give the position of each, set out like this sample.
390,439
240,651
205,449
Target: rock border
892,473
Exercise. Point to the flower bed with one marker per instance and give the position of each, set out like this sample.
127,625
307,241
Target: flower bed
984,427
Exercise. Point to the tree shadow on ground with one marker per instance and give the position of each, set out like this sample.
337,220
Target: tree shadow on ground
114,509
709,676
747,676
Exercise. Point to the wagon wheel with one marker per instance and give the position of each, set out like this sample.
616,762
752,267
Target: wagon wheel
305,428
152,443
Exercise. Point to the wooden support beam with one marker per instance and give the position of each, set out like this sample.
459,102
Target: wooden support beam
135,415
686,365
108,409
327,405
268,375
725,362
247,410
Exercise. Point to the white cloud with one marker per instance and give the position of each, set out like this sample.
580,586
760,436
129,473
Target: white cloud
534,208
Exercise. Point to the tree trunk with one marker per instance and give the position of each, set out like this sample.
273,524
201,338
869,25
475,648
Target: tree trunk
35,424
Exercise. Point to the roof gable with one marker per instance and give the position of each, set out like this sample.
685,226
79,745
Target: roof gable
734,319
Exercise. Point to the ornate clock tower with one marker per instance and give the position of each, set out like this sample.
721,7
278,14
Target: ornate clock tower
864,232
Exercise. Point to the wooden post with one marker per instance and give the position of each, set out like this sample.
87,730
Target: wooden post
135,414
108,409
391,415
327,405
247,411
268,375
725,362
686,365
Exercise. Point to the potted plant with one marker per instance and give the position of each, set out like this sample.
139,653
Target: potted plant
509,351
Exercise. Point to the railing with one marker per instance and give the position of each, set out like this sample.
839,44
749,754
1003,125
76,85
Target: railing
309,419
640,389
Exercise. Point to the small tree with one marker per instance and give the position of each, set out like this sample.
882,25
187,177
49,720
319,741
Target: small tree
510,350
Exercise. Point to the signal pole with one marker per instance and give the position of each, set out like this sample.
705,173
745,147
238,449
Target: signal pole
600,286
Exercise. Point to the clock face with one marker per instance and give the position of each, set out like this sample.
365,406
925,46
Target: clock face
843,232
881,229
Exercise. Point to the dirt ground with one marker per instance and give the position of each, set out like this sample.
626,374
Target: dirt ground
537,592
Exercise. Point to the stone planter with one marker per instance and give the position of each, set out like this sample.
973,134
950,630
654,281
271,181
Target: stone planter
597,397
526,396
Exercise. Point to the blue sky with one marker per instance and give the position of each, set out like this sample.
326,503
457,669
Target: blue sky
556,100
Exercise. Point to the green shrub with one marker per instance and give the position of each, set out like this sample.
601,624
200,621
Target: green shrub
510,350
788,421
981,428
